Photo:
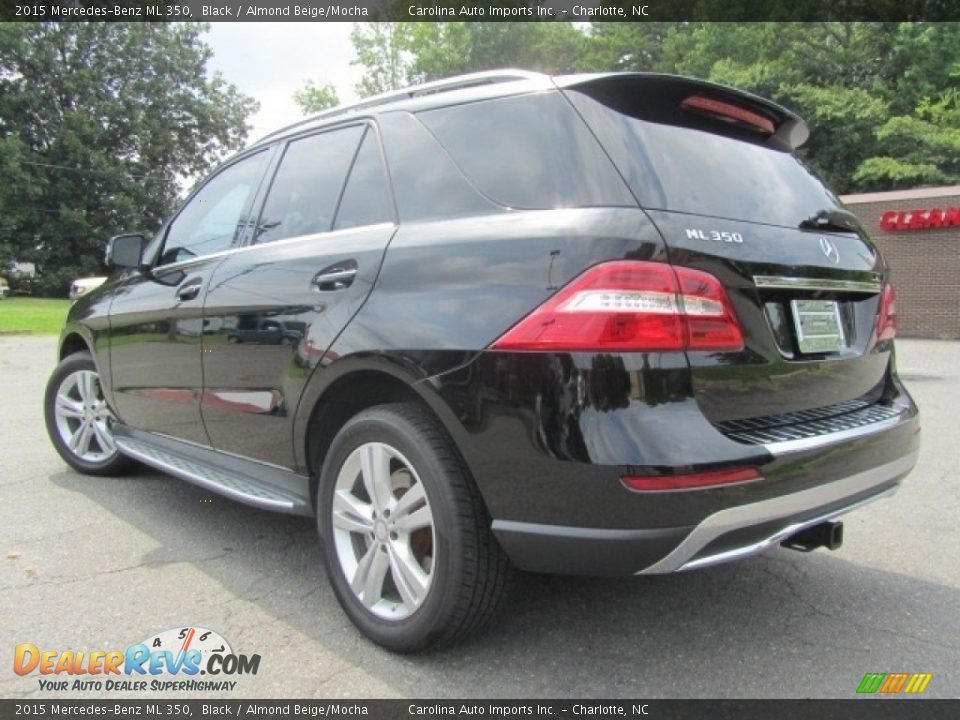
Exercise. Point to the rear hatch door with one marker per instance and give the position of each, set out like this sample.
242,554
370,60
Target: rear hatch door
715,170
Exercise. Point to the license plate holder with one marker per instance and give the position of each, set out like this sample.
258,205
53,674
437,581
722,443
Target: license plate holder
819,327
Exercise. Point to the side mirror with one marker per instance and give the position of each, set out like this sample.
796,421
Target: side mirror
125,251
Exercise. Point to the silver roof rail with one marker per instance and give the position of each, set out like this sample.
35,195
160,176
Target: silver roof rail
457,82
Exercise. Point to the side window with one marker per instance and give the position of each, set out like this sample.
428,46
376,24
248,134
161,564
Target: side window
213,219
426,182
528,152
366,198
306,188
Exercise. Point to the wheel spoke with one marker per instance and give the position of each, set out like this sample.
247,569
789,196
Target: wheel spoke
410,500
80,440
68,407
414,521
363,569
408,576
351,514
104,439
85,386
373,587
367,582
375,468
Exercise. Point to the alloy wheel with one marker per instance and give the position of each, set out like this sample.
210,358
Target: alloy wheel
83,418
383,531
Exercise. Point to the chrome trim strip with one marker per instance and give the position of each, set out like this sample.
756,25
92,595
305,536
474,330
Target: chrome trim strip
786,447
778,537
779,282
784,506
275,244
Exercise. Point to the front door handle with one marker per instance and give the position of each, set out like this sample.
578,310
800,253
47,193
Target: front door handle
336,277
188,292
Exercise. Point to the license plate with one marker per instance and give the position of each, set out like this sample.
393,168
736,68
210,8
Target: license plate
819,329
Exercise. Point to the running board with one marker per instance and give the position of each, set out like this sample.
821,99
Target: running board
240,479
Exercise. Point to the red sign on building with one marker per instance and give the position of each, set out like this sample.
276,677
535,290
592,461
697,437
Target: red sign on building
920,219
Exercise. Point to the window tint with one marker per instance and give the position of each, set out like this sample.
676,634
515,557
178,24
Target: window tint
426,182
213,219
366,199
690,170
531,151
305,190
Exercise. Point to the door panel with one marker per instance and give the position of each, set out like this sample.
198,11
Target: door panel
274,309
156,318
268,325
155,343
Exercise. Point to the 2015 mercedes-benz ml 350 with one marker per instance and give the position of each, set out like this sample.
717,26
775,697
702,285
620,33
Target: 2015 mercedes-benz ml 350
604,325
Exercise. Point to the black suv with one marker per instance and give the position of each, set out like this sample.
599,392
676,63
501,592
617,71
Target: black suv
603,324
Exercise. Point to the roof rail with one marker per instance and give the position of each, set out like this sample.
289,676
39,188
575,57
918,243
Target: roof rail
457,82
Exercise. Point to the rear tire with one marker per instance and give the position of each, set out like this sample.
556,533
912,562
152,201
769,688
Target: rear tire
79,421
406,537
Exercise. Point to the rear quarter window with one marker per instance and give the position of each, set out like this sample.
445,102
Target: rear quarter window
528,152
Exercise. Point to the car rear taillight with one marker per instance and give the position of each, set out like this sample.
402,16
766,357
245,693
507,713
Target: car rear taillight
690,481
887,315
631,306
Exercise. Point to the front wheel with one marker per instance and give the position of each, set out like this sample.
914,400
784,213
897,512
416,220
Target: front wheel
407,540
79,421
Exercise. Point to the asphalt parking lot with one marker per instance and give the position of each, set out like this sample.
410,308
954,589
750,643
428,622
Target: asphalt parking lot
100,563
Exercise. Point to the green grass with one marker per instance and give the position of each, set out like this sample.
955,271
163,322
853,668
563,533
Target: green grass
36,316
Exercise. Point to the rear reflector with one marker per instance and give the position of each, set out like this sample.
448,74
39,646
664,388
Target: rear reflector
631,306
887,314
692,481
728,112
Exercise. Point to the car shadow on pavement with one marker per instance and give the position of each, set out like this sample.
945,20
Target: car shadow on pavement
783,624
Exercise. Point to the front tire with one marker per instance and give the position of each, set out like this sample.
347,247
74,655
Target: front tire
79,421
406,537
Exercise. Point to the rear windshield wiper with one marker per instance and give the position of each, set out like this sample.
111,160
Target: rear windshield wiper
831,220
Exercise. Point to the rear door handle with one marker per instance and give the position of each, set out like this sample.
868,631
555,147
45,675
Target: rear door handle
188,292
336,277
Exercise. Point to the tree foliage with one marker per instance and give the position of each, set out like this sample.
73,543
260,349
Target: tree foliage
383,50
99,123
881,98
394,55
313,98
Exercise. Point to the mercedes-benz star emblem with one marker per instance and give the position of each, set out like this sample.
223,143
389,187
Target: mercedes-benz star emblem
830,250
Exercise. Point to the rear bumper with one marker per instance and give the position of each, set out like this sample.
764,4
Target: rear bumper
548,438
729,534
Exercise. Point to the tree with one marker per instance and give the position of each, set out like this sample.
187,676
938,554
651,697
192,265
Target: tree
313,98
646,46
442,49
98,124
383,49
921,149
395,55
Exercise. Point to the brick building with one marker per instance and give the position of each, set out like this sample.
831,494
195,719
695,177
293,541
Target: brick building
918,232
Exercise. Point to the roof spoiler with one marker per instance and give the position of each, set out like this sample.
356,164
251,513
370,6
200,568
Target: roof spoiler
667,97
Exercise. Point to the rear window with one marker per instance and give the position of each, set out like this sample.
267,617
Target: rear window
528,152
690,170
